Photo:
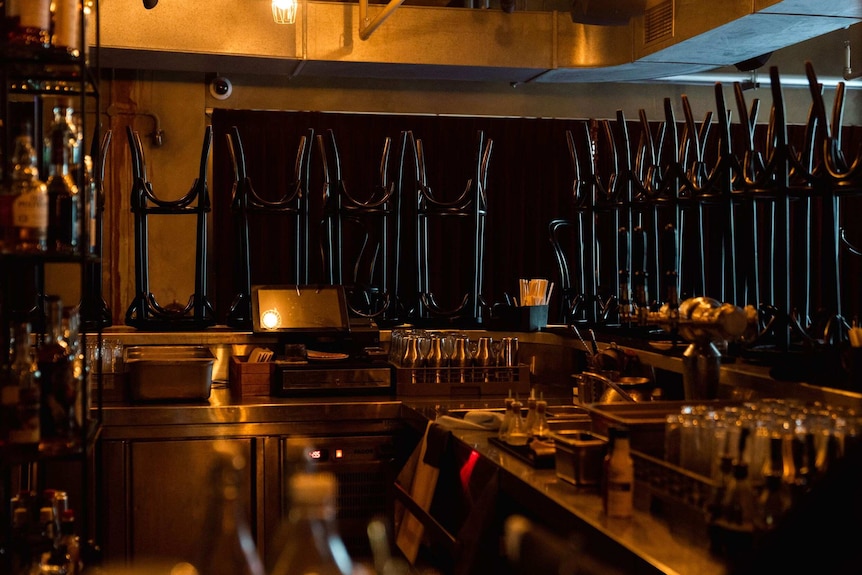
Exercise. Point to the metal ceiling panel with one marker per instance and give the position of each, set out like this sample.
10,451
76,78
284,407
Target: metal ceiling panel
673,37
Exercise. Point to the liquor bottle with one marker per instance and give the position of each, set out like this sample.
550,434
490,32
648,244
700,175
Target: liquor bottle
72,335
70,542
66,36
20,393
29,200
29,32
63,196
18,554
57,383
619,477
312,543
228,548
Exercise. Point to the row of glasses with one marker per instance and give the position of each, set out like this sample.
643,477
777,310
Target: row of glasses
796,440
418,348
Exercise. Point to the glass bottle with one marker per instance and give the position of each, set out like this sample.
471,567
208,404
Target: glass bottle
484,356
517,433
773,503
435,359
50,557
20,393
30,26
619,477
29,200
66,36
70,541
412,357
228,546
18,555
72,335
739,500
63,197
57,383
539,428
461,358
312,543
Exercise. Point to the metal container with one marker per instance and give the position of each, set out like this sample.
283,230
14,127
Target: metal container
645,421
579,456
169,372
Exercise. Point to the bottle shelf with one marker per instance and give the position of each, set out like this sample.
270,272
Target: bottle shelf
17,454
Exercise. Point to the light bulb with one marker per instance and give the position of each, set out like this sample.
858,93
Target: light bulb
270,319
284,11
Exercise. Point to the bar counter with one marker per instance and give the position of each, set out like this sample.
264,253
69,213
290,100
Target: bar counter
645,543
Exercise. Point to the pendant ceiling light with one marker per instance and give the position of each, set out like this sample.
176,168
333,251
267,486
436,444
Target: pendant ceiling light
284,11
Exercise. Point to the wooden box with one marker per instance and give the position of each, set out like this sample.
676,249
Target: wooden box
248,379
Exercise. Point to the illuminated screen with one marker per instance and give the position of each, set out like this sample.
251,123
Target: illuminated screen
299,308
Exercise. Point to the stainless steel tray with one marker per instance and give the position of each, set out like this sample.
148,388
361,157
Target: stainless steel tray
169,372
645,421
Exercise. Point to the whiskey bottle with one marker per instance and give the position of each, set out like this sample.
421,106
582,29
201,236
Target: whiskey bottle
29,199
29,30
20,392
63,198
66,37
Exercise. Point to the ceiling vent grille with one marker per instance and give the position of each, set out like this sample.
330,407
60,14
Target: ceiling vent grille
658,22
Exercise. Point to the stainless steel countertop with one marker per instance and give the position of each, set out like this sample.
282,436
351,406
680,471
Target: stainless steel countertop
223,414
649,538
738,380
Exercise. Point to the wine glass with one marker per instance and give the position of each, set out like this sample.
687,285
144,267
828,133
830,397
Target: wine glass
424,342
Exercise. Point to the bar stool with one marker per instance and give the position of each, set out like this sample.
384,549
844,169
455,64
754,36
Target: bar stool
245,201
371,289
470,206
145,312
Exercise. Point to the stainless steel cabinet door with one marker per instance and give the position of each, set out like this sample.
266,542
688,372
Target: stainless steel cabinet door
156,495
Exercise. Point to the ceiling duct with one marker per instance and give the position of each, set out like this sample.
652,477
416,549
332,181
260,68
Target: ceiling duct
659,38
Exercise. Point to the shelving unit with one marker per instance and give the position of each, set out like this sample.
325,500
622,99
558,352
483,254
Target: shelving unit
30,83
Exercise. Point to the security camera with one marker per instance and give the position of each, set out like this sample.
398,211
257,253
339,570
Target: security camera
220,88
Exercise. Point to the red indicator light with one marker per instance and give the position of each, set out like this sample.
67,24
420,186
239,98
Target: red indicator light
339,454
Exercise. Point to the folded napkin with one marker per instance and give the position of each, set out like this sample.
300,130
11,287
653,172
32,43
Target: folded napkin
487,420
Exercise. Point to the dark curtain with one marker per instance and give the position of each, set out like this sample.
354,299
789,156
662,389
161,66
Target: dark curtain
528,160
529,184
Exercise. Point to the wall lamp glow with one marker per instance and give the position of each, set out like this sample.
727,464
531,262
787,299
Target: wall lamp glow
284,11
